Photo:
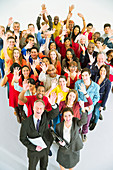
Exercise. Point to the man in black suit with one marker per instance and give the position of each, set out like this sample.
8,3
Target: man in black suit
28,132
88,56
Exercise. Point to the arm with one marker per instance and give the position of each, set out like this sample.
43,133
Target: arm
24,138
22,97
4,80
84,23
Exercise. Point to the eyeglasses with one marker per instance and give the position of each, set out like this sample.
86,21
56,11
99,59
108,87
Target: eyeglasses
51,70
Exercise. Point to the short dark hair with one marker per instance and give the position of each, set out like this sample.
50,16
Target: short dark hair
11,37
109,51
62,76
31,81
14,65
89,24
107,25
66,109
97,33
86,70
31,25
40,85
107,70
34,48
100,39
29,36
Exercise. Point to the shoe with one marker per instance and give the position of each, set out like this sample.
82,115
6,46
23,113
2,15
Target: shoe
100,117
84,137
92,126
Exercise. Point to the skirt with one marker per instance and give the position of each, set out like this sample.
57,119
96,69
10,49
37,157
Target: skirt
67,158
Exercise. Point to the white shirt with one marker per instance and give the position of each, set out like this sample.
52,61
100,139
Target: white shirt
67,133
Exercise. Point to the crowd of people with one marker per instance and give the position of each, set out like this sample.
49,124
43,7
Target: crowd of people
57,75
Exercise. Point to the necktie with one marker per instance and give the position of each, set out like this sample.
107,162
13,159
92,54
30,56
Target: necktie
37,125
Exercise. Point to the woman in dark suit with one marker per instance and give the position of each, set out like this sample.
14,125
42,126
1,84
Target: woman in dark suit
105,86
68,130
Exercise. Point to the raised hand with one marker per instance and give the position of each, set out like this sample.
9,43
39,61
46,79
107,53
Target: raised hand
27,56
71,8
62,23
59,97
44,67
64,32
81,103
80,15
25,85
92,59
43,6
82,88
16,76
10,21
44,27
42,48
67,71
52,98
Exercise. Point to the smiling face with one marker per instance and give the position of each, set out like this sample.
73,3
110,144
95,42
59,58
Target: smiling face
76,30
51,70
16,27
82,40
101,58
69,55
103,72
68,117
38,109
11,43
40,92
71,97
16,54
67,43
53,55
56,20
110,56
53,46
62,82
90,48
46,61
73,68
25,72
34,54
86,77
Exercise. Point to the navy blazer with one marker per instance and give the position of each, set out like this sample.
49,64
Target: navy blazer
105,87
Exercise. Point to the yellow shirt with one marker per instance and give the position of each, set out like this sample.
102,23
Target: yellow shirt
10,54
57,31
58,90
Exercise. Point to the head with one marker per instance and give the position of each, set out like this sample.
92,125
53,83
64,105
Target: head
25,72
82,39
68,115
30,39
72,96
46,60
38,108
95,36
71,25
11,42
14,65
32,84
53,54
107,28
16,26
73,66
9,33
104,71
76,30
99,42
51,70
31,28
109,54
91,47
23,34
52,45
40,92
86,74
89,27
34,52
56,20
62,81
17,55
2,30
101,58
70,55
67,42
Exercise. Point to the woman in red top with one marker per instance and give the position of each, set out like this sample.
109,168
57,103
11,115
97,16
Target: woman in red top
72,74
13,94
72,101
53,55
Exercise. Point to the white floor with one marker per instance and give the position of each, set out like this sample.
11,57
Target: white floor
97,153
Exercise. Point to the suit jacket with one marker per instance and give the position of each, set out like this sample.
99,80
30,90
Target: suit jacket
75,142
84,59
105,87
28,130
